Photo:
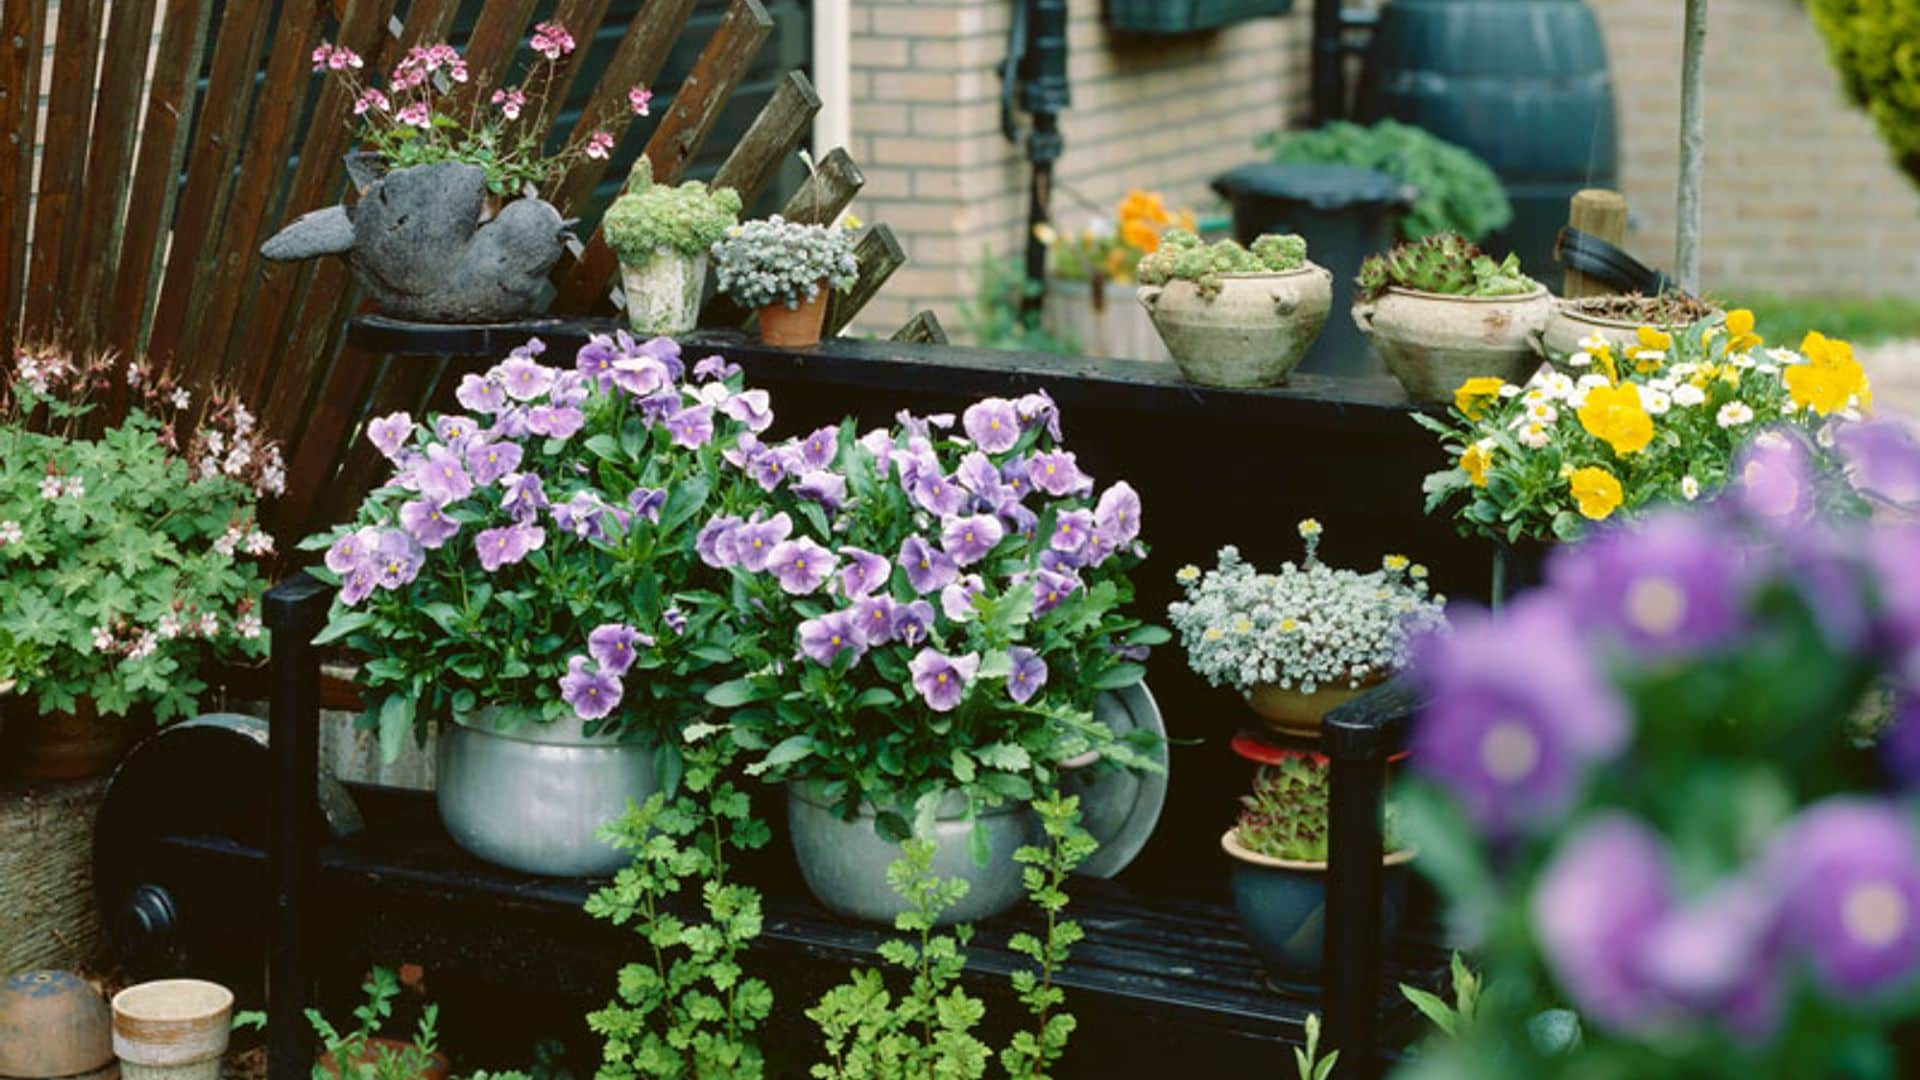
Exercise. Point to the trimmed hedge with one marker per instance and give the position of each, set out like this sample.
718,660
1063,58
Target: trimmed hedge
1876,46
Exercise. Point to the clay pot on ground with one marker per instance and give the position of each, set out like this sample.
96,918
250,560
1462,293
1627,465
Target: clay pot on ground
65,746
377,1048
795,327
1433,343
663,291
172,1029
54,1024
1252,333
1292,712
1282,905
1569,325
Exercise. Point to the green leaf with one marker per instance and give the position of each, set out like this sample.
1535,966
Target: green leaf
1431,1007
733,694
1120,676
977,847
1148,635
342,625
789,750
396,722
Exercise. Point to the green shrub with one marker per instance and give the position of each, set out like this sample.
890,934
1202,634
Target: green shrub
1458,193
1871,42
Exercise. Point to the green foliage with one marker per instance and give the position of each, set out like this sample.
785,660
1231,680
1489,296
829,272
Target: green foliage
127,544
1871,45
1182,256
776,261
687,219
1458,192
354,1058
995,317
1045,872
1285,817
1450,1019
1308,1059
1447,264
687,1011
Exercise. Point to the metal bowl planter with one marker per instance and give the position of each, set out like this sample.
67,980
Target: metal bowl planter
663,291
1282,906
532,797
1294,712
1432,343
1252,333
844,860
1567,326
1119,807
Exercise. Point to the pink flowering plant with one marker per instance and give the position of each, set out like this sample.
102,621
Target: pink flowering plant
129,534
533,555
936,608
428,111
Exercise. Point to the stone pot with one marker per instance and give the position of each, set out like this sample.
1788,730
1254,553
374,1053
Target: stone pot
440,1067
532,797
795,327
1567,326
173,1029
1282,906
1433,343
844,861
1252,333
1291,712
54,1024
663,291
65,746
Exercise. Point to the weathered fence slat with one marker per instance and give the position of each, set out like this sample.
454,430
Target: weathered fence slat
495,37
923,329
879,254
63,164
636,62
757,158
110,163
22,29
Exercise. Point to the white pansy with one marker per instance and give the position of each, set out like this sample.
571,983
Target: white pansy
1689,396
1785,357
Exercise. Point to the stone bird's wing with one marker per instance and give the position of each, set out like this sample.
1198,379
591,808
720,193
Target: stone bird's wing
319,232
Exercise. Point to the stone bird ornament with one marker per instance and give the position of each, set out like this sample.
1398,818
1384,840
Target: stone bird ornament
420,244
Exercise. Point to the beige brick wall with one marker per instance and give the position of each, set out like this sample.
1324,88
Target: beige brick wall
1800,196
1166,114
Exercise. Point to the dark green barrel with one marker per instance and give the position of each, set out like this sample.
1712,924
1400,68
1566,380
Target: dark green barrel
1522,83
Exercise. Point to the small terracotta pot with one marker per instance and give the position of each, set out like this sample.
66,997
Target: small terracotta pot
440,1069
1291,712
53,1023
797,327
64,746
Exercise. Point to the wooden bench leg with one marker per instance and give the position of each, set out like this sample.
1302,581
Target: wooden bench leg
295,610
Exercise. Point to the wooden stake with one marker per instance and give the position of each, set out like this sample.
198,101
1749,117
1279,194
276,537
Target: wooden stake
1693,146
1601,214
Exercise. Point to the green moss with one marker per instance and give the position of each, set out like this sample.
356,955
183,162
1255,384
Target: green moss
1183,257
1458,193
1447,264
687,218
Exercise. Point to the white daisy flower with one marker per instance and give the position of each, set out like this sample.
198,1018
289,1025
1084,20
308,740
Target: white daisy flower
1588,382
1733,414
1582,358
1535,436
1785,357
1689,395
1595,342
1655,401
1690,488
1542,413
1508,390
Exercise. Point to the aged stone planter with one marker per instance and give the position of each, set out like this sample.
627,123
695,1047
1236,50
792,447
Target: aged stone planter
844,861
1567,326
65,746
795,327
173,1029
54,1024
1433,343
1282,906
1252,333
663,292
532,797
1291,712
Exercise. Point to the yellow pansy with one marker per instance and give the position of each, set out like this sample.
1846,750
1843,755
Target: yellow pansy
1740,335
1603,359
1474,392
1395,562
1614,415
1474,461
1829,379
1596,491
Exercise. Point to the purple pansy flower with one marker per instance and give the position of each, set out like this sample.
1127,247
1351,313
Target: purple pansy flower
588,516
1882,460
507,545
523,377
879,444
1019,520
956,600
1851,868
800,565
1773,478
1517,709
593,694
1717,954
769,467
820,448
570,388
938,495
1026,673
969,539
480,394
992,424
981,476
442,477
1071,530
358,583
426,522
1057,473
928,570
675,619
595,360
1595,905
524,496
865,572
942,680
1050,589
351,551
715,367
1670,584
1117,516
751,407
1039,406
489,461
912,622
715,542
873,618
612,646
822,640
646,502
389,433
555,422
396,559
1893,555
511,423
656,408
829,489
455,430
753,542
642,376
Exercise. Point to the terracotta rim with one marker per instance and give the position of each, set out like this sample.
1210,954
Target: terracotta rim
1517,298
1232,847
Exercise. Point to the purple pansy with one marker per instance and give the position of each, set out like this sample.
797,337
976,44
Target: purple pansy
595,360
656,408
956,600
715,542
1014,478
1057,472
593,694
865,572
879,444
675,619
969,539
523,378
389,433
822,640
442,476
511,423
1117,516
396,559
555,421
754,408
873,618
489,461
358,583
1717,954
992,424
715,367
570,388
1670,584
1071,530
352,550
427,523
1039,406
646,502
928,569
480,394
800,565
455,430
753,542
820,448
1851,868
641,376
1596,903
612,646
981,476
912,622
942,680
587,515
938,495
1020,521
524,496
829,489
507,545
1773,478
1050,589
1026,673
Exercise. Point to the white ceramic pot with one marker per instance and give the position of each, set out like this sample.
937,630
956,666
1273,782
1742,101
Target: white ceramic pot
1433,343
173,1029
1253,332
663,292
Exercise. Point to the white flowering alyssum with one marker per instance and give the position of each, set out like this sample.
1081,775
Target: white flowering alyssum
1308,626
776,261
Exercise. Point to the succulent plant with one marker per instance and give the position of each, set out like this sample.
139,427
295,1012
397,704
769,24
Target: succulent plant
687,219
1183,257
1286,815
1444,263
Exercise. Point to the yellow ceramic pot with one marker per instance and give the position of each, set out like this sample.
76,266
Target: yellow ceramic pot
1291,712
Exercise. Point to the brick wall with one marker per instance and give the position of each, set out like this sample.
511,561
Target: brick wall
1166,114
1800,194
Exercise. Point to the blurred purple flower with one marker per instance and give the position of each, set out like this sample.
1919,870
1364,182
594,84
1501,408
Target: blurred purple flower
1893,555
715,367
1593,910
675,619
1899,745
555,422
822,640
865,572
1773,478
389,433
612,646
524,496
1717,954
1851,869
489,461
592,694
507,545
829,489
1117,516
992,424
928,570
800,565
1026,674
480,394
1882,459
1670,584
426,523
970,539
942,680
523,378
753,542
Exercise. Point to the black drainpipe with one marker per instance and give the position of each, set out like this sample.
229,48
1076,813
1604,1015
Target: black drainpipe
1034,80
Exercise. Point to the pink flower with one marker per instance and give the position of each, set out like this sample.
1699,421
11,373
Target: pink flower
415,114
641,99
371,100
599,145
510,102
551,40
320,54
343,58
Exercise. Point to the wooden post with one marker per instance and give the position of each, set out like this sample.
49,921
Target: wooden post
1693,147
1601,214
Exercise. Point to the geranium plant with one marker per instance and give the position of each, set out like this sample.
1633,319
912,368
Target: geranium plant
1308,626
534,554
936,609
129,542
1659,423
429,111
776,261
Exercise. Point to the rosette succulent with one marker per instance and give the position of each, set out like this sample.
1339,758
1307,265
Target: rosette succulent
534,554
1182,256
1285,816
688,219
936,607
776,261
1446,264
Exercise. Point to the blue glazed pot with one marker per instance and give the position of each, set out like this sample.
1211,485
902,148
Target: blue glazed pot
1283,910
